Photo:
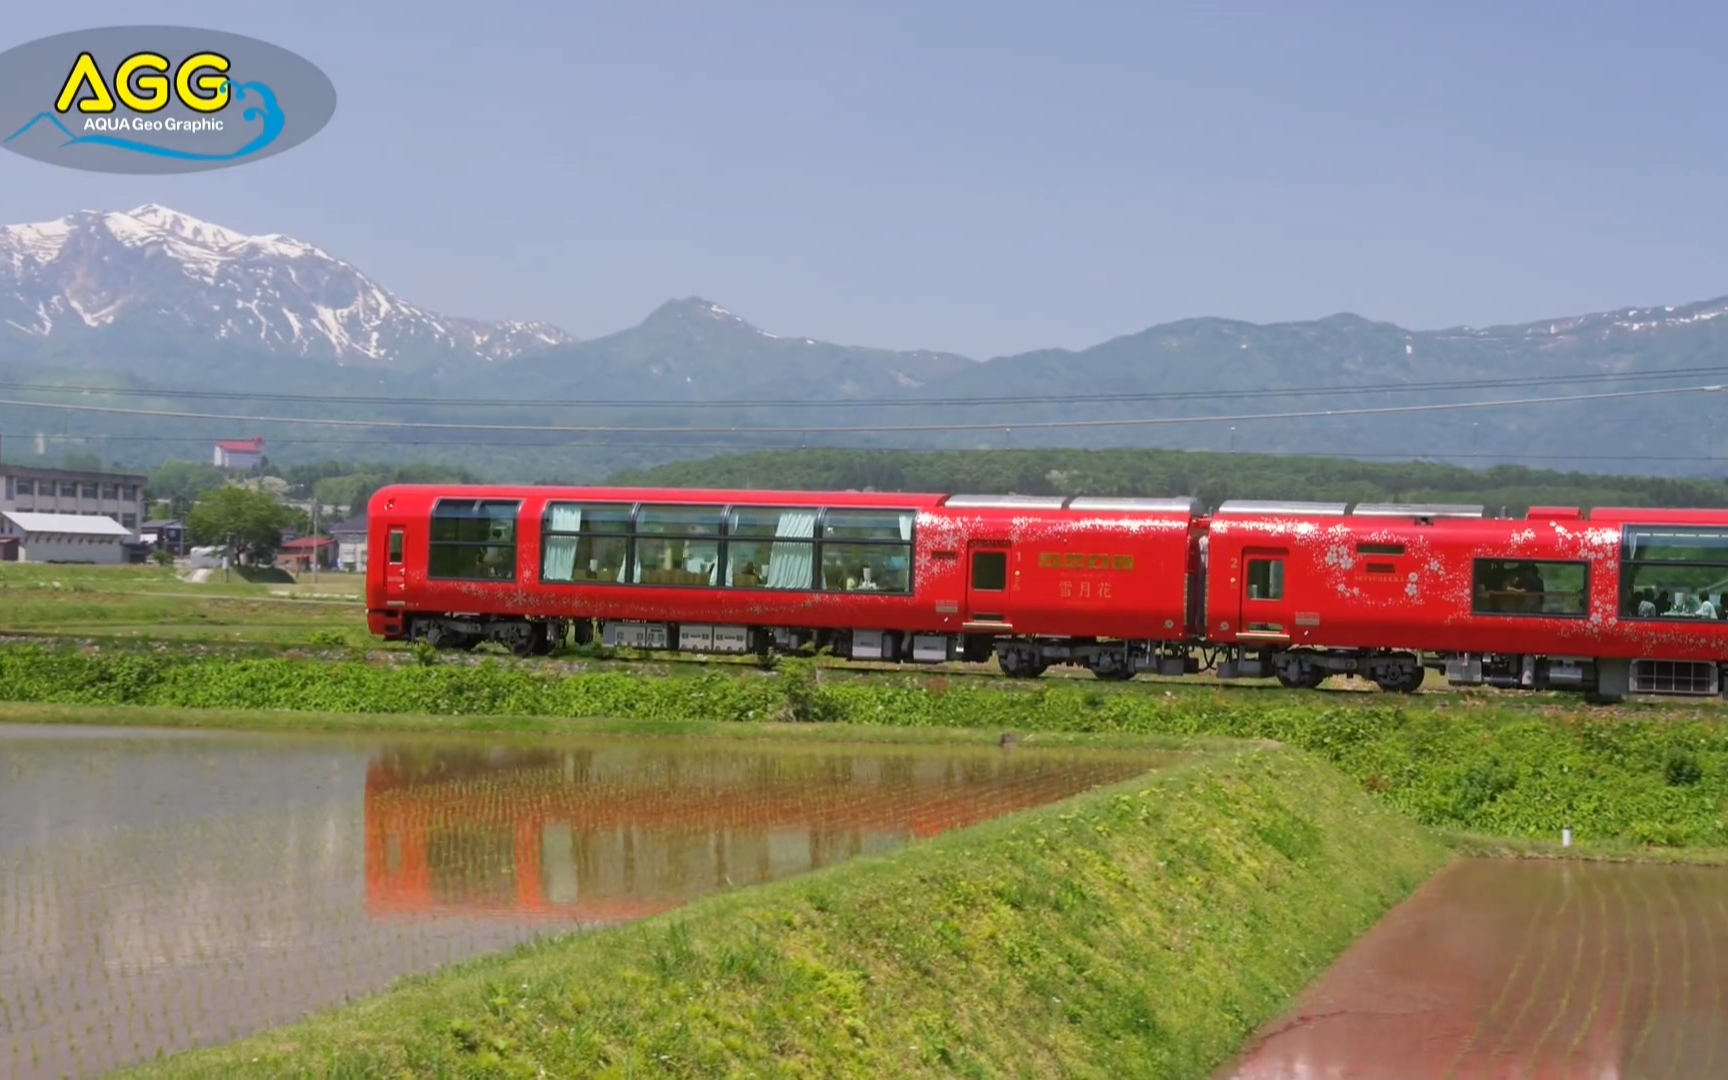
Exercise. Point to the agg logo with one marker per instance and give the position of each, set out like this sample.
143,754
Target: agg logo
158,99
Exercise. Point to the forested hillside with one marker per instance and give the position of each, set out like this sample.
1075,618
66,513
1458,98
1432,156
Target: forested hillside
1208,476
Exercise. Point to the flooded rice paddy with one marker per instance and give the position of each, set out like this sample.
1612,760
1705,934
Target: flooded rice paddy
161,890
1542,969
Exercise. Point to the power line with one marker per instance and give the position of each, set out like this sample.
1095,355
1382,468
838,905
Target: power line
906,402
1405,455
1037,425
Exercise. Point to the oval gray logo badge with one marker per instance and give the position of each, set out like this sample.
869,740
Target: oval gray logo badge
158,99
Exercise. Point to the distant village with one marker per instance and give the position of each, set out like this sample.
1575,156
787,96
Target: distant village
50,515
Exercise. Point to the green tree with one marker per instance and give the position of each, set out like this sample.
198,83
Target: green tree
253,518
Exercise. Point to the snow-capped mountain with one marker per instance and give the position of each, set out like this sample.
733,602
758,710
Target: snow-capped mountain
96,271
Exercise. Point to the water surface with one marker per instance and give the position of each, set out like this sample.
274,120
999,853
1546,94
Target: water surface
1522,968
164,889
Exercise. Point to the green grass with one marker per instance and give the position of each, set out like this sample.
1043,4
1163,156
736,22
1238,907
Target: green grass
1141,930
150,602
536,727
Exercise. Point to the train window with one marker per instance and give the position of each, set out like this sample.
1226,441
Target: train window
867,549
677,545
767,548
1049,560
1379,549
395,546
990,571
1673,572
1124,562
1531,587
473,540
1265,579
584,542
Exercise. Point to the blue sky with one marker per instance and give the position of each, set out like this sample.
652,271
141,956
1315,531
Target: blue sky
979,177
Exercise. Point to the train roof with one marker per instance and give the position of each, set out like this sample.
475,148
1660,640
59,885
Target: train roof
1190,507
1181,505
686,496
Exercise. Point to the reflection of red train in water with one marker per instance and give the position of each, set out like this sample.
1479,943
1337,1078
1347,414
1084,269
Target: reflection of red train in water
609,834
1606,601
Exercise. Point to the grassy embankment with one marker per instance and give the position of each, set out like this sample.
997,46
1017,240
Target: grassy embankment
1614,776
151,602
1141,930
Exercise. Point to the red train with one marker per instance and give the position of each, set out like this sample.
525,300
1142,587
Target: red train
1607,602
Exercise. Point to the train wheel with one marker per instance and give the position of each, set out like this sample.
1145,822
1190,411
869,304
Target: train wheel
1403,682
1020,664
529,640
1306,679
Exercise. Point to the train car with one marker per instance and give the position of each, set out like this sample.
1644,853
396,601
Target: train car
657,568
1608,602
1103,583
931,578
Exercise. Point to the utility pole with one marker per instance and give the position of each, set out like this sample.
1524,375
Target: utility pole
315,547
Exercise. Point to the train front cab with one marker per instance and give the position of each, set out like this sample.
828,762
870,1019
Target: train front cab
387,528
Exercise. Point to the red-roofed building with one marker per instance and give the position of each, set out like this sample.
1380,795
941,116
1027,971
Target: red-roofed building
295,556
239,453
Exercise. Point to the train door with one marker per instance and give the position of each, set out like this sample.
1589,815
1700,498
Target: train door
395,565
1266,607
987,582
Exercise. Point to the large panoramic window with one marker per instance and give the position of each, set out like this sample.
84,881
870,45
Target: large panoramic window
867,549
1673,572
473,540
1531,587
676,545
584,542
769,548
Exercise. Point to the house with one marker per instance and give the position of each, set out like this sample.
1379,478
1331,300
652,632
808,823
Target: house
65,538
164,535
298,556
350,537
239,453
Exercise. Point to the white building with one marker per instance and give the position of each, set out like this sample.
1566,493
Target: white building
238,453
65,538
119,496
350,537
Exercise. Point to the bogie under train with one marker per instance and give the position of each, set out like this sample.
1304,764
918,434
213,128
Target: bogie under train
1607,602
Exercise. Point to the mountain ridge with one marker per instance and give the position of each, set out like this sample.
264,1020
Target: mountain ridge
154,302
93,269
